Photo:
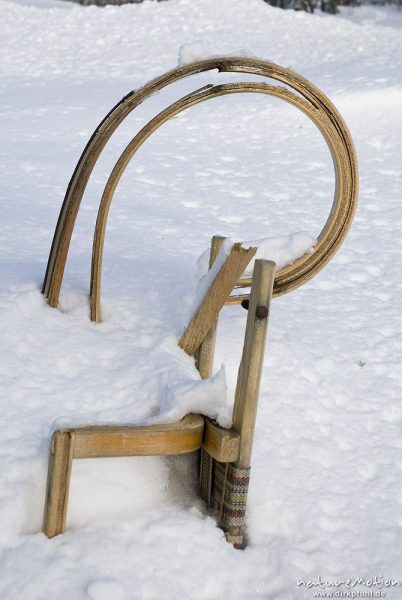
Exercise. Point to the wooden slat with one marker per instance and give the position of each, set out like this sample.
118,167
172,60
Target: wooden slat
222,444
163,439
216,296
58,483
248,382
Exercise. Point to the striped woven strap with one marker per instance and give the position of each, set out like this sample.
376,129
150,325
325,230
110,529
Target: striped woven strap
230,493
206,477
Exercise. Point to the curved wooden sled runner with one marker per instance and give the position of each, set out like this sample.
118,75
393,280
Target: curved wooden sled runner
307,98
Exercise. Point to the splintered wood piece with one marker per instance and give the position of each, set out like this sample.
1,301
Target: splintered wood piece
215,297
222,444
205,357
146,440
249,377
58,482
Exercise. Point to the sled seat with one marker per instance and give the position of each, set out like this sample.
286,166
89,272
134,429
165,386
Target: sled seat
162,439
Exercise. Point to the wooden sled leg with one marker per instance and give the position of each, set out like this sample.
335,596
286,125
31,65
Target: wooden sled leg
205,360
232,481
58,482
164,439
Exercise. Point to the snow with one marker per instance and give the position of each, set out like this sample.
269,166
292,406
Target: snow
326,488
199,50
282,250
193,51
206,397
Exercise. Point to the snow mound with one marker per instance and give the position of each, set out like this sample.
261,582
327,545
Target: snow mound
201,50
206,397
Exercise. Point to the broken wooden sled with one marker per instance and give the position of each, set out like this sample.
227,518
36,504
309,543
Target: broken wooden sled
226,454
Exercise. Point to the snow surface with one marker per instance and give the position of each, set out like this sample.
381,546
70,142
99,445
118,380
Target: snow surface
283,250
326,489
200,50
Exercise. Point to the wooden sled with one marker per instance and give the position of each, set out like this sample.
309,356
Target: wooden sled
228,447
225,454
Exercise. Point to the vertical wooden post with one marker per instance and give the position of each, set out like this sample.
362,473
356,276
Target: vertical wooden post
205,357
205,363
58,482
236,478
249,377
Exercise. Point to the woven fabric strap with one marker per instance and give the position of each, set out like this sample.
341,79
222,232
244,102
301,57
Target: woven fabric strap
206,477
230,492
224,487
